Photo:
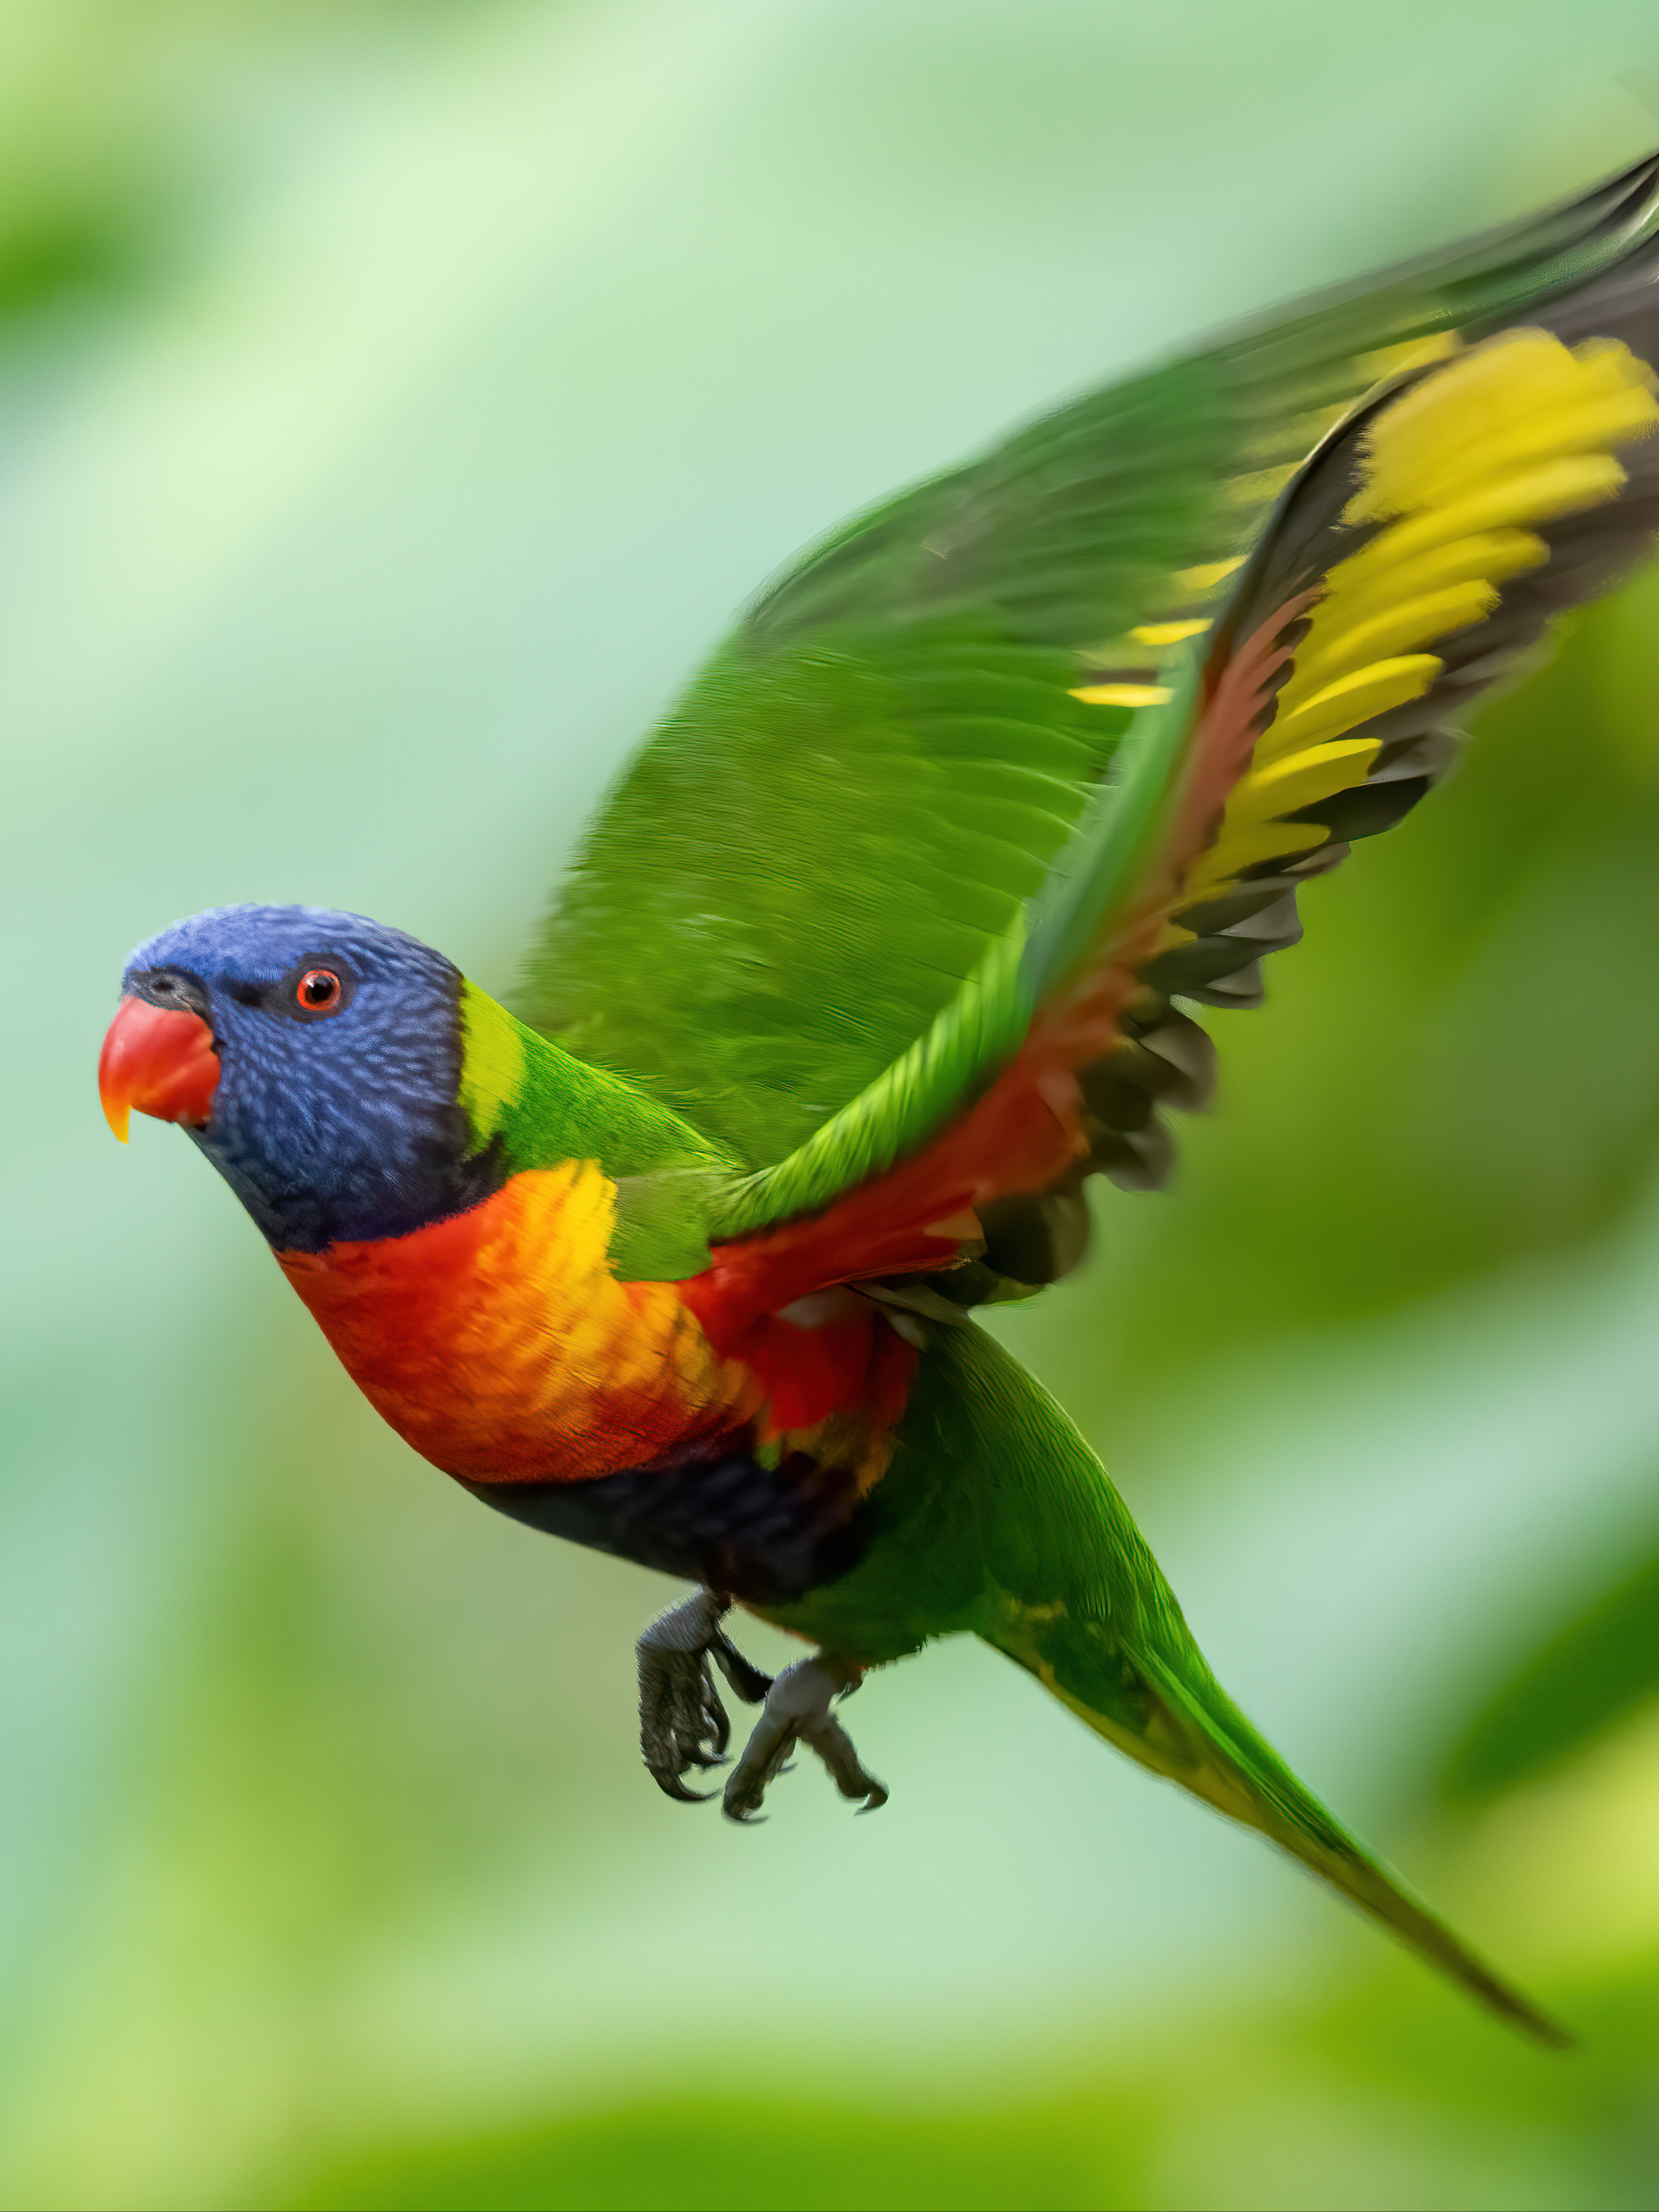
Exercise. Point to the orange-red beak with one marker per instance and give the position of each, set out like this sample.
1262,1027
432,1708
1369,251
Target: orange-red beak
160,1059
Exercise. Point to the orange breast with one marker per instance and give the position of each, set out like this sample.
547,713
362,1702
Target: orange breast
501,1347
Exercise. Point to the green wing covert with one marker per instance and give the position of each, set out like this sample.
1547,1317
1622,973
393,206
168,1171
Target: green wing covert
929,775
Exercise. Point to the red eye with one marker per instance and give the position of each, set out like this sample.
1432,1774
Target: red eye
318,990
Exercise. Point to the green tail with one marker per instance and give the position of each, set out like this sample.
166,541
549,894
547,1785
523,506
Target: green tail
1183,1725
996,1517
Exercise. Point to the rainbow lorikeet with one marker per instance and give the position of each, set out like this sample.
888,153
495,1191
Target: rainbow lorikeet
881,948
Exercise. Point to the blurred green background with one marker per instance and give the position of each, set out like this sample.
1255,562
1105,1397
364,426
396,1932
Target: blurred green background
395,397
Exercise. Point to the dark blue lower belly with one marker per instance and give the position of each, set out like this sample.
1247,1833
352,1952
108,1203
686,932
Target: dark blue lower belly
721,1517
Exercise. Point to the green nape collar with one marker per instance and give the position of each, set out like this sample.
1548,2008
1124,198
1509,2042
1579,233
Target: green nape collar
544,1107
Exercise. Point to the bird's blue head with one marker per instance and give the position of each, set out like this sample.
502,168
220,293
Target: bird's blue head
315,1057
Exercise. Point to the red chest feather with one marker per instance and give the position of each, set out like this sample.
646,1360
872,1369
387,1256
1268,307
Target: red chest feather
499,1343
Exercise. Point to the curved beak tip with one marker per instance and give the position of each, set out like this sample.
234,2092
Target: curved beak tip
159,1060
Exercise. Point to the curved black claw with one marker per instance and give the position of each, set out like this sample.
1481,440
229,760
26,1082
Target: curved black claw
797,1711
682,1723
747,1681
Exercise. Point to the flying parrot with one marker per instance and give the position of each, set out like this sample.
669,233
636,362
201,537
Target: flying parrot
889,941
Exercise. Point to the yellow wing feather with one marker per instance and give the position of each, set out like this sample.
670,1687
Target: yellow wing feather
1460,470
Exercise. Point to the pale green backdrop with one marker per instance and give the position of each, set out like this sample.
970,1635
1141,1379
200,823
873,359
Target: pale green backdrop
394,400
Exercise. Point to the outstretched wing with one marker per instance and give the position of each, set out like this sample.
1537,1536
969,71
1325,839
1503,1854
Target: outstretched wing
895,902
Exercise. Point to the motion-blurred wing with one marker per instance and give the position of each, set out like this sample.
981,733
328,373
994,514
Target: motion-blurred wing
895,900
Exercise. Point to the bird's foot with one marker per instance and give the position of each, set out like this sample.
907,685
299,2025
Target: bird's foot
682,1723
797,1711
